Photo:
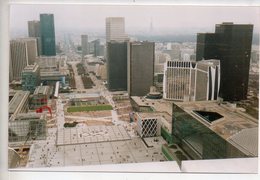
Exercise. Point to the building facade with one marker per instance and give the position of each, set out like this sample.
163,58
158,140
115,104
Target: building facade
30,77
231,44
23,52
140,67
47,31
204,130
19,104
40,97
34,31
191,81
117,66
115,29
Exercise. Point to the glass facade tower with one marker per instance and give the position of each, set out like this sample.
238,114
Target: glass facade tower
231,44
47,34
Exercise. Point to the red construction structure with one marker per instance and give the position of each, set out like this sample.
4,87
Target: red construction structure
40,110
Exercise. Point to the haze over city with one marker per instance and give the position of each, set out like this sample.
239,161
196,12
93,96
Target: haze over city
164,19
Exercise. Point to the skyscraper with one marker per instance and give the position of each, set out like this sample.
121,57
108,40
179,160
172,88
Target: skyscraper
23,51
84,45
231,43
140,67
34,28
117,66
47,34
115,29
31,45
34,31
18,58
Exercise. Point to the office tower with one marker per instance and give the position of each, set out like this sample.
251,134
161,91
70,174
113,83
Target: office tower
84,45
231,43
117,66
206,47
96,47
30,77
191,81
22,53
115,29
140,67
47,34
31,44
34,28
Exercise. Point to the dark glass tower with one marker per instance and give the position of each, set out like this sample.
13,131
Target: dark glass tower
140,67
117,66
47,34
231,44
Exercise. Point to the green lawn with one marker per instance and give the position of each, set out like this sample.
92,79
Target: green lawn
100,107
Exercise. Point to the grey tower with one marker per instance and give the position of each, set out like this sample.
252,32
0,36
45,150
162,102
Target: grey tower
140,65
117,66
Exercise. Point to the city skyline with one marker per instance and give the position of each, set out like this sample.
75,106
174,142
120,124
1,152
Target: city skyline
138,19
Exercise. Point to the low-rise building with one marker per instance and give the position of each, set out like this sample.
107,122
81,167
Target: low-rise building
30,77
214,130
40,96
148,124
27,126
19,103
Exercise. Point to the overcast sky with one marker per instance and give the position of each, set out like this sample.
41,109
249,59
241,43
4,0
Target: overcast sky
137,18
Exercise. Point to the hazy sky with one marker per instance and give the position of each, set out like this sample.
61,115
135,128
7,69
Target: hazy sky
176,19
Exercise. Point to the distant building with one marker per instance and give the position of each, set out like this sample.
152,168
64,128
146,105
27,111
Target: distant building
117,66
34,31
102,72
84,45
97,48
30,77
158,81
191,81
47,34
231,44
34,28
115,29
140,68
23,52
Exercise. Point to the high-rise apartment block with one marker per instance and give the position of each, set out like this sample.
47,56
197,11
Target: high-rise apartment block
34,31
22,53
117,66
115,29
47,34
231,44
191,81
140,67
84,45
30,77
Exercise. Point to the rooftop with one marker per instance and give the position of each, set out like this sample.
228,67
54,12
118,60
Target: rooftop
158,105
31,68
233,120
246,141
18,99
42,90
